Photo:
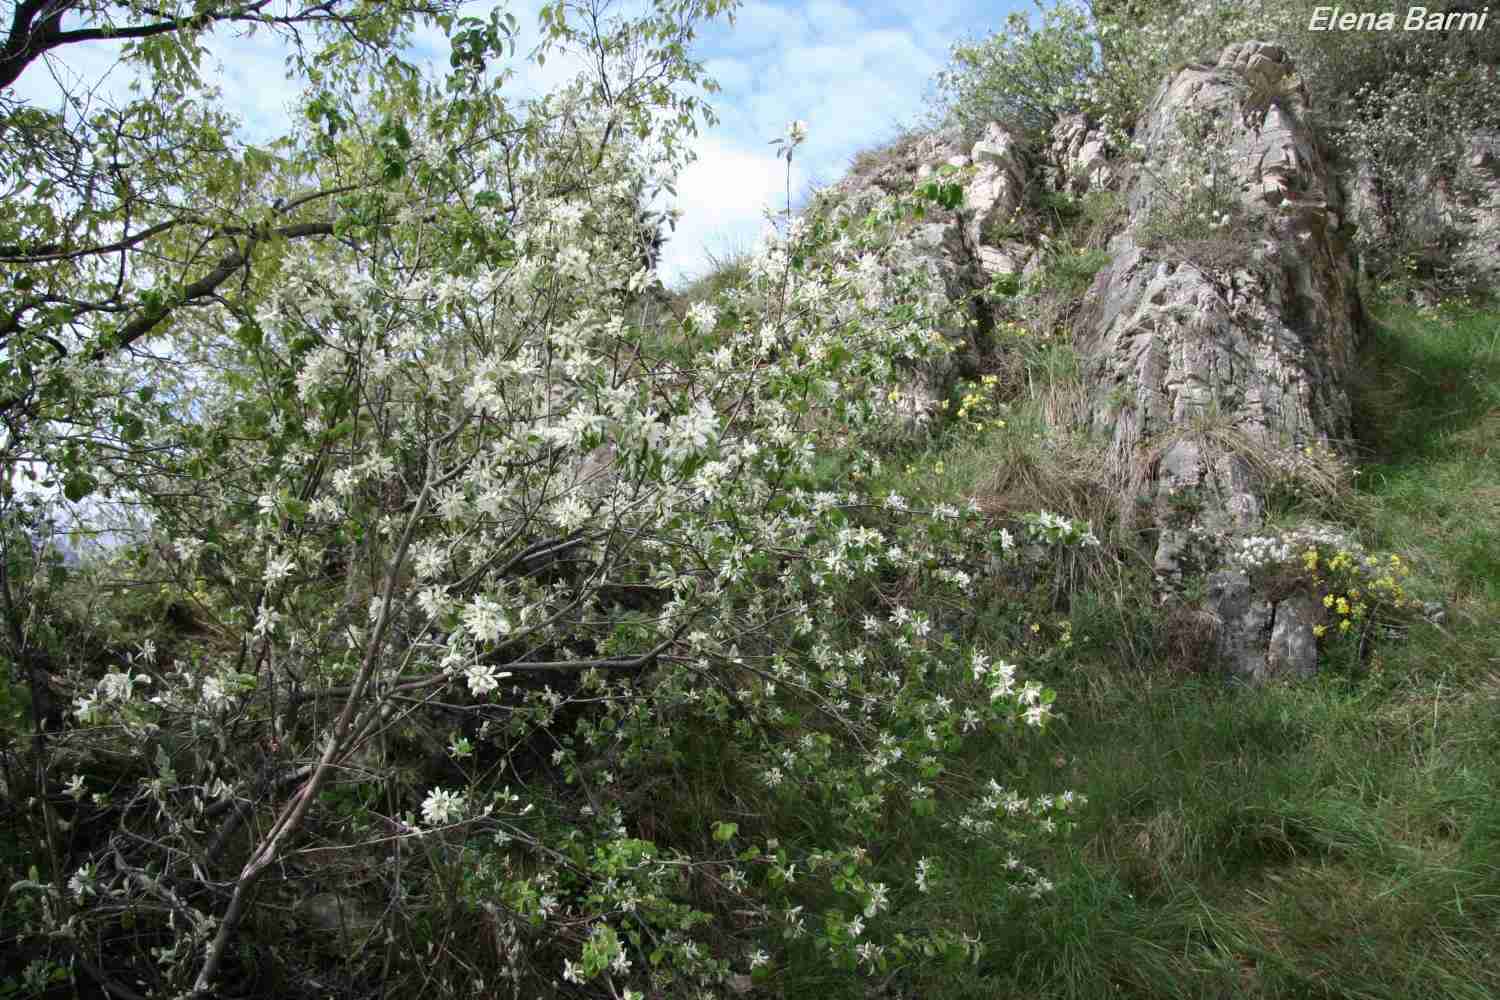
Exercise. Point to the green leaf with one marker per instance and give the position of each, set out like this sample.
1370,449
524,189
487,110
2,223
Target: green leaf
250,335
724,832
131,427
164,764
77,485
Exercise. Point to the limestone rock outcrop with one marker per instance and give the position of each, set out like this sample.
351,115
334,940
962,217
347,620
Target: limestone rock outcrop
963,249
1220,340
1079,158
1216,343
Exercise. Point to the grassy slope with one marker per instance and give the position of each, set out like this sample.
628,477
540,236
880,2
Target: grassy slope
1335,839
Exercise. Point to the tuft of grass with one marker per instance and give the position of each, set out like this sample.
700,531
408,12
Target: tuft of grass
726,270
868,162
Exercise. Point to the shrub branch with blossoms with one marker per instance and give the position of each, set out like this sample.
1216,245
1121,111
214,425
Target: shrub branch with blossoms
473,575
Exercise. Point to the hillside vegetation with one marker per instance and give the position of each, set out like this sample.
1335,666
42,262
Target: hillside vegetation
404,594
1331,839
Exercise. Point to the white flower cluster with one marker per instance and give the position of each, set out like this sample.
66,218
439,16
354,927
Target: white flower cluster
114,688
1001,806
694,501
442,806
1268,551
485,620
1054,529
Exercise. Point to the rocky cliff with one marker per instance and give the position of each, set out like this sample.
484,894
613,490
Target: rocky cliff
1219,348
1217,342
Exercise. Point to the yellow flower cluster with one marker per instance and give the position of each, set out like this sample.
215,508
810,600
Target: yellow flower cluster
1353,584
978,404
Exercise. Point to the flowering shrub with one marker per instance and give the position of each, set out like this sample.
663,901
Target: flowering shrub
1024,78
978,404
479,573
1353,586
1408,136
1400,112
1053,529
1195,195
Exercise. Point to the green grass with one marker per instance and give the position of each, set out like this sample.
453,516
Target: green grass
1331,840
1335,839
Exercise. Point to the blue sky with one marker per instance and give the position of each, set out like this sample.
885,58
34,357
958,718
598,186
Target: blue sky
855,72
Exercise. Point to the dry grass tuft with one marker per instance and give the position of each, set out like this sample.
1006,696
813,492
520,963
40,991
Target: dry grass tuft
1192,639
1036,471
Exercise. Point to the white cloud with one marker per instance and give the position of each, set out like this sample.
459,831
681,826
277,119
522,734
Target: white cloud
251,73
761,25
724,194
834,19
856,76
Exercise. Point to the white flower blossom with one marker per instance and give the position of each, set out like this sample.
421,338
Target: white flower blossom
115,686
213,693
441,806
483,679
278,568
703,315
188,548
82,883
265,621
484,620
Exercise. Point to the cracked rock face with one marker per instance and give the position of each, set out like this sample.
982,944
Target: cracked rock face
951,246
1079,158
994,178
1216,358
1216,363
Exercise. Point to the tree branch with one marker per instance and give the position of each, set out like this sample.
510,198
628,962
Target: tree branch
36,29
16,254
204,286
291,817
